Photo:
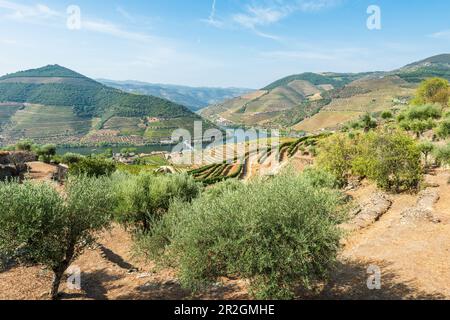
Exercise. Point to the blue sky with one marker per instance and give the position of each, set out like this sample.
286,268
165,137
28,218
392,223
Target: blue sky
220,43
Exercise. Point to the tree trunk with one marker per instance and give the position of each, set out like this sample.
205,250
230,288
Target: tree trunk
59,271
56,282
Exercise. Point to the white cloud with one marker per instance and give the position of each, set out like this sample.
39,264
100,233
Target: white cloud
445,34
212,20
111,29
124,13
257,16
25,12
41,13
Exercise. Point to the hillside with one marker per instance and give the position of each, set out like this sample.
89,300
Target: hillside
192,97
436,66
311,101
55,104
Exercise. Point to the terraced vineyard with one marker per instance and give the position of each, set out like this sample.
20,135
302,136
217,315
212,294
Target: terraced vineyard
214,173
46,122
253,160
7,111
125,126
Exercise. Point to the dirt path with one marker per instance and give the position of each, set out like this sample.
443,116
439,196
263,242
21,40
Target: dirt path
40,171
413,257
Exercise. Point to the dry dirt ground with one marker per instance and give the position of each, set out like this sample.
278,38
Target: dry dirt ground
413,257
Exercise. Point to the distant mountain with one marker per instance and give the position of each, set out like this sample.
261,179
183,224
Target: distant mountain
195,98
437,66
312,101
55,104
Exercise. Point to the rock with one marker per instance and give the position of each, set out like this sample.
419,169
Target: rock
132,270
170,283
369,212
424,208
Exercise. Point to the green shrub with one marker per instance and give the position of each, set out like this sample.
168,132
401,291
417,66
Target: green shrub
433,90
426,148
279,234
443,130
24,145
71,158
39,226
386,115
93,167
442,155
335,155
390,158
144,198
45,152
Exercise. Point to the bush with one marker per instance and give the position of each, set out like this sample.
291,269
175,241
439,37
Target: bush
393,161
279,234
426,148
40,226
71,158
24,145
45,152
420,118
433,90
335,155
443,130
386,115
92,167
390,158
144,198
442,155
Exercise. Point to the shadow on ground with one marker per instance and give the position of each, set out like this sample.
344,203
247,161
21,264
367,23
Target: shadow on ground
111,256
172,290
349,282
94,286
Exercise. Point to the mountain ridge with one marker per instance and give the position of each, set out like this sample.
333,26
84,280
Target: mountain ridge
290,100
195,98
107,113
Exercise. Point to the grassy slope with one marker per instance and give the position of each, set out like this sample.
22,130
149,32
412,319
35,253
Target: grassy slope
36,121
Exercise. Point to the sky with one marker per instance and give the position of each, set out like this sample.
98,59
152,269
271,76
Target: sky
226,43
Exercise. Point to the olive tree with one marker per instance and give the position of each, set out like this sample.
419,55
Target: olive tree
146,197
426,148
280,234
442,155
38,225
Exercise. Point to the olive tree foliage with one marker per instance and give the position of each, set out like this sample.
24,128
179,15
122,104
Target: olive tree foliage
335,155
443,130
38,225
92,166
419,118
388,157
426,148
433,90
442,155
279,234
144,198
